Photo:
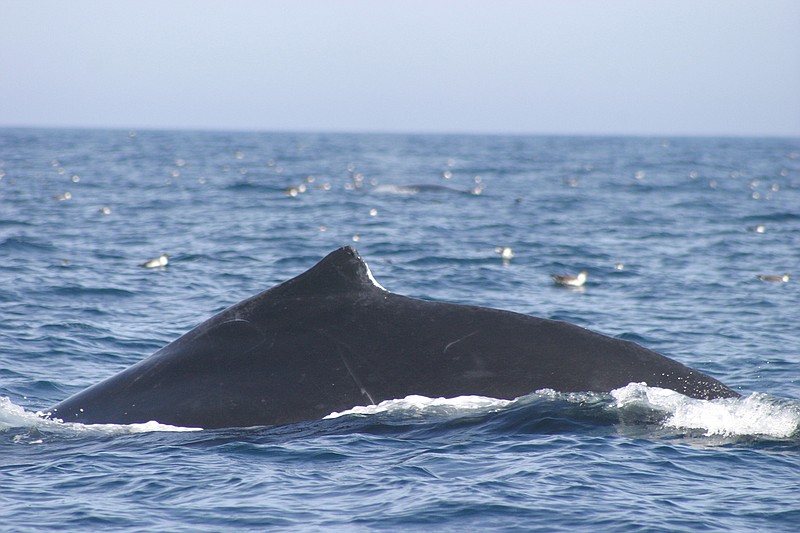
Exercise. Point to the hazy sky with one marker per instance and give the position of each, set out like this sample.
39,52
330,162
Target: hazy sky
698,67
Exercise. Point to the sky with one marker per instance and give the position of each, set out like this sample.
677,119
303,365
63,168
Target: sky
595,67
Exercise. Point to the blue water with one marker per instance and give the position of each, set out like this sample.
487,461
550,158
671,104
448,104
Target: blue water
240,212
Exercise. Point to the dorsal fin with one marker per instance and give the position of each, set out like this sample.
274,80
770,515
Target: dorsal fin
342,270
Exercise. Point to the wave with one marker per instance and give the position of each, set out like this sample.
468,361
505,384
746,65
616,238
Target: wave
410,190
780,216
635,411
35,425
419,406
10,223
26,244
252,186
757,415
80,291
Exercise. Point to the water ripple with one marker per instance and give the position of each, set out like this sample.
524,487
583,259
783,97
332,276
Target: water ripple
76,308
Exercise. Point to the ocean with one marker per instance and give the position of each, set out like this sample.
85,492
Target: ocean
673,233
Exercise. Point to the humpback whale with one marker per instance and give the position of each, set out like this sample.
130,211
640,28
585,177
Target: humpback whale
332,338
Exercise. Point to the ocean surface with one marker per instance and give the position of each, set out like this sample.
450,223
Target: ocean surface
672,231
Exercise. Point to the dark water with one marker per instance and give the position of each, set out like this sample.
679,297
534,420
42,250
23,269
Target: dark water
230,211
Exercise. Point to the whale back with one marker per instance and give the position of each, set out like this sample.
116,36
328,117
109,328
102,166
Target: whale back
333,338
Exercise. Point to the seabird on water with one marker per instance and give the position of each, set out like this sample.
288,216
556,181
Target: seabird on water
571,281
158,262
779,279
506,254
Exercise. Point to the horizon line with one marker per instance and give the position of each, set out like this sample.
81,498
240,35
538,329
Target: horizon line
399,132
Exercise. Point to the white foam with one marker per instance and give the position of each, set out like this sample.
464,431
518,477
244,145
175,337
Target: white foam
757,414
143,427
395,189
15,416
754,415
12,415
416,406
